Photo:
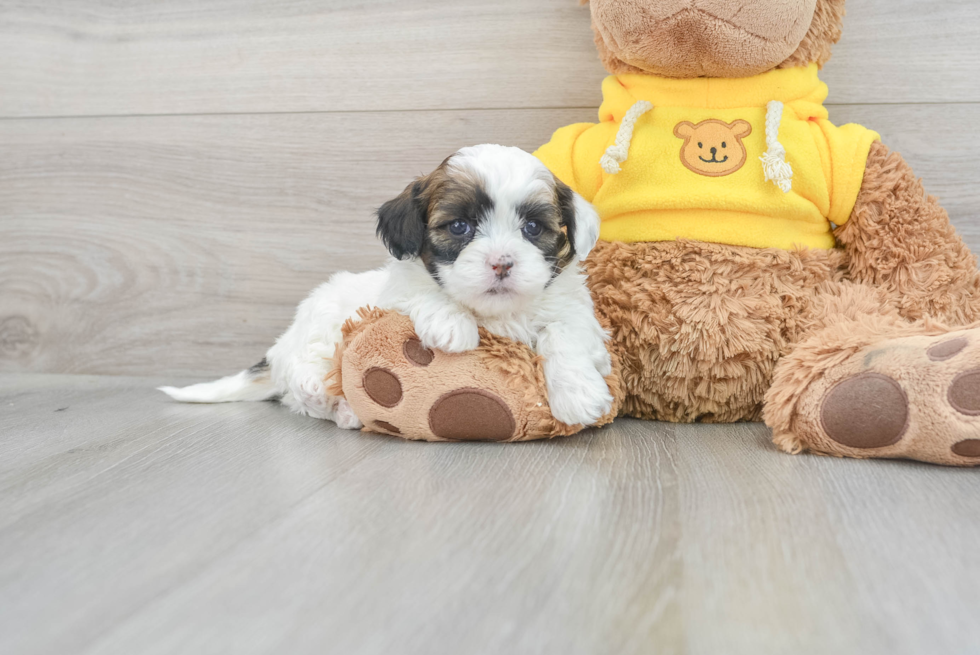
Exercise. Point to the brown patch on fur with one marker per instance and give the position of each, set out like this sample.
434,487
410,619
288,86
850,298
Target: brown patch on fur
403,220
565,227
698,327
900,239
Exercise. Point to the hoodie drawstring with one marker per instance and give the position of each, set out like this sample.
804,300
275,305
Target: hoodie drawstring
774,163
617,153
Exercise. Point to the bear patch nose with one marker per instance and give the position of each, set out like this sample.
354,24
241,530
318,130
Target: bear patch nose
714,151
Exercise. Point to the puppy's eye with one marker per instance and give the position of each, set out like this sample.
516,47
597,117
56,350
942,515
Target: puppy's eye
532,229
700,145
724,145
460,228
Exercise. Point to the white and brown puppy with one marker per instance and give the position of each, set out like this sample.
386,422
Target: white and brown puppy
490,238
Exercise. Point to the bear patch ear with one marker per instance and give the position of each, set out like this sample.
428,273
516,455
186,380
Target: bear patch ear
684,130
402,221
579,218
741,129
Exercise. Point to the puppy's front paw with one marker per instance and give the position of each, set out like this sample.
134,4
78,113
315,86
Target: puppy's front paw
345,417
578,397
449,331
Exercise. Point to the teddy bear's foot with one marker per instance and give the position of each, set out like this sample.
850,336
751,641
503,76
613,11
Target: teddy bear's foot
915,397
398,387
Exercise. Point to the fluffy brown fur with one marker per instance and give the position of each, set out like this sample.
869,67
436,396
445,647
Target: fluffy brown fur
899,238
713,38
824,32
699,327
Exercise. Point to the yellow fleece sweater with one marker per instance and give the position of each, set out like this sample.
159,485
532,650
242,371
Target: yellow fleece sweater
694,169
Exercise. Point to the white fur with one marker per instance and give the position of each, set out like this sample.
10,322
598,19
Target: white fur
553,316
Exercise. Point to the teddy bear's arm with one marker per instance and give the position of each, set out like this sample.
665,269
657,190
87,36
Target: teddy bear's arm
900,238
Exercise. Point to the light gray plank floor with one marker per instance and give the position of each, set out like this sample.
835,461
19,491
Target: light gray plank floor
131,524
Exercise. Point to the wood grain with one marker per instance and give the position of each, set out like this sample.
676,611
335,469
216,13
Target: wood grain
181,245
147,526
181,56
821,555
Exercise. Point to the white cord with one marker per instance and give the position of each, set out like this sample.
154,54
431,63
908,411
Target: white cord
774,163
617,153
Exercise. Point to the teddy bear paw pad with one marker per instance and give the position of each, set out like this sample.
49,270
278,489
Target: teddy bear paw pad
382,386
964,393
944,350
915,397
471,415
869,410
416,353
385,426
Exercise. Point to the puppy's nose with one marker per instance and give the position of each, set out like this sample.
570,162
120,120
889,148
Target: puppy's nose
714,151
502,267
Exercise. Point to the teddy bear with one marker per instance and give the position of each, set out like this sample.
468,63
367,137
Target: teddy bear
756,261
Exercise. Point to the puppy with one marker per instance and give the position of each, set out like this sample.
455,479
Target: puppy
490,238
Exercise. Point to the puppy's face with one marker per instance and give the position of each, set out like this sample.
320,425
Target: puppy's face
492,225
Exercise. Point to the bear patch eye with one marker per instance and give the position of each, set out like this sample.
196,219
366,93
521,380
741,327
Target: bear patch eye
700,145
724,145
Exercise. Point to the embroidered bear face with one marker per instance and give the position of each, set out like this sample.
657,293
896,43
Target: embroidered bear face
713,148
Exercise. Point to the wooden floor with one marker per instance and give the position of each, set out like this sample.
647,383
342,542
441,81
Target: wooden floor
176,175
131,524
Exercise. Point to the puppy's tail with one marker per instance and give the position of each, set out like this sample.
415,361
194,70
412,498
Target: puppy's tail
251,384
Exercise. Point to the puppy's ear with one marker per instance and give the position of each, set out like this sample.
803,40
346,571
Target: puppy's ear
579,218
402,221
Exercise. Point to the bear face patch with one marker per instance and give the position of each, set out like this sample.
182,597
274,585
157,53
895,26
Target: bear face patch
713,148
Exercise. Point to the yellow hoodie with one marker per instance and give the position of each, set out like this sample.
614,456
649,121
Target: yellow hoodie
749,162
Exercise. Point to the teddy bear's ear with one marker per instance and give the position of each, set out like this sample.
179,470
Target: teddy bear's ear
402,220
741,129
684,130
579,218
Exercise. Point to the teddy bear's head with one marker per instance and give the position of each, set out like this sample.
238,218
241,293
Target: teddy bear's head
714,38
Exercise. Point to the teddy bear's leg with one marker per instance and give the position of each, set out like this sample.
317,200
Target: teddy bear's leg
496,392
870,384
899,239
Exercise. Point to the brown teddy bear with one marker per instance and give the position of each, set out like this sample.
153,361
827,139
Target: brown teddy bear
757,261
